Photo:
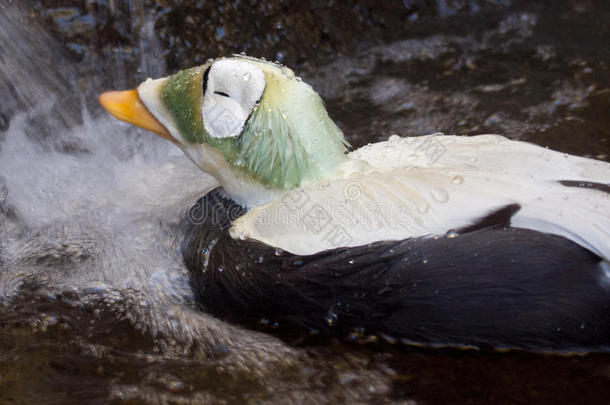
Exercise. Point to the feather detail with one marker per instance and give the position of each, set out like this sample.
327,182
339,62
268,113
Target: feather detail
431,185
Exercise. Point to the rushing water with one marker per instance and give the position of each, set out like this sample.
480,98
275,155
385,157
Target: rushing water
95,303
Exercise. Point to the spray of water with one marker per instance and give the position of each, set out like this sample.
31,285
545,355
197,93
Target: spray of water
99,196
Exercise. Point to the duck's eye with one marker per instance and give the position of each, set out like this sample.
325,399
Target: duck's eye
231,89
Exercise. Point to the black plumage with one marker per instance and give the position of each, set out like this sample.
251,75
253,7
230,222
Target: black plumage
488,286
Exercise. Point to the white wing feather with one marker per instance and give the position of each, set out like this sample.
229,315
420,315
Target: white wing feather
433,184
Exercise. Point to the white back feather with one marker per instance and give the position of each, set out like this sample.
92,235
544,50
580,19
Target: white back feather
432,184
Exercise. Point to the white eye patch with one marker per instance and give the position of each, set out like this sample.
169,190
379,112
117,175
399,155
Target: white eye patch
233,89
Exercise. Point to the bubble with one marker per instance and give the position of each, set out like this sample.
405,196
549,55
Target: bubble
247,76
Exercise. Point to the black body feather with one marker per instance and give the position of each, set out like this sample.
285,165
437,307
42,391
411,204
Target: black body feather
488,287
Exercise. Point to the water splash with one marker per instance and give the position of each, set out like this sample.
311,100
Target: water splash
87,187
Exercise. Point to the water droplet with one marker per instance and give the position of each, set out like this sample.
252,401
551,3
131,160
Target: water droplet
451,234
260,259
242,53
423,207
458,180
331,318
389,339
440,195
384,291
246,76
220,269
210,60
582,326
425,261
205,255
278,252
351,261
394,138
288,73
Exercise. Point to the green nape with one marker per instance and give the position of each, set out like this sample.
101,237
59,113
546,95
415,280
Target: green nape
285,143
271,153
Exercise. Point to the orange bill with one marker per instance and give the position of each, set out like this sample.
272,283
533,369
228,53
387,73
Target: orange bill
127,106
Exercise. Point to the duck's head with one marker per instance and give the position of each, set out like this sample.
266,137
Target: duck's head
250,123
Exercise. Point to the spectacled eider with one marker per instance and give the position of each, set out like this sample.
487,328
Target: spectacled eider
436,240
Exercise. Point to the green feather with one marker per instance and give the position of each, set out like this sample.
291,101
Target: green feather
278,151
287,140
182,96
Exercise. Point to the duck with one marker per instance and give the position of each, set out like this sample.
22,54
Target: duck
477,242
